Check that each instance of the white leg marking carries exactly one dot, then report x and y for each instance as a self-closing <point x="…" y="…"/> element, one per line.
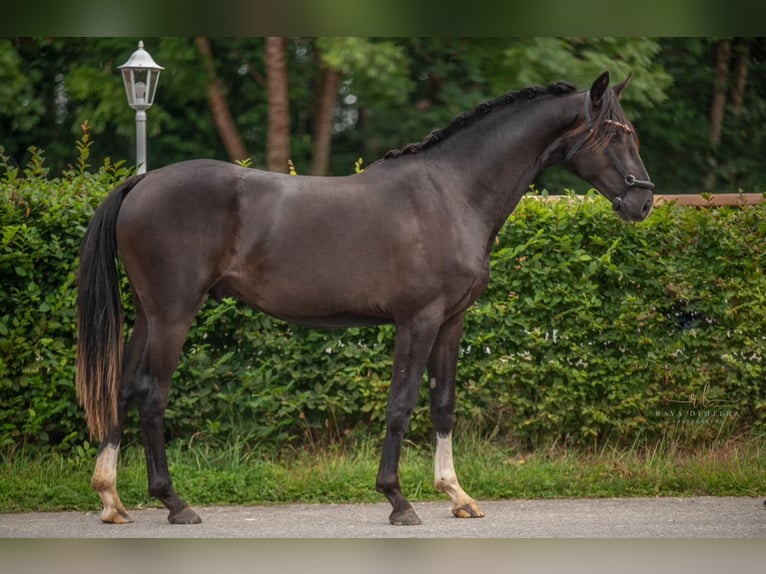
<point x="445" y="480"/>
<point x="105" y="483"/>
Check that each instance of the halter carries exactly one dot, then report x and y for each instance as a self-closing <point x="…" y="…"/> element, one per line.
<point x="630" y="180"/>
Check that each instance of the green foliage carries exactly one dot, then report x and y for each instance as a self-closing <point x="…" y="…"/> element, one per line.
<point x="378" y="68"/>
<point x="546" y="59"/>
<point x="234" y="472"/>
<point x="42" y="221"/>
<point x="21" y="107"/>
<point x="392" y="91"/>
<point x="592" y="331"/>
<point x="675" y="136"/>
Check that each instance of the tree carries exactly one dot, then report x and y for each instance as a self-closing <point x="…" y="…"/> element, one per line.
<point x="718" y="105"/>
<point x="678" y="137"/>
<point x="341" y="98"/>
<point x="447" y="76"/>
<point x="323" y="120"/>
<point x="727" y="93"/>
<point x="41" y="81"/>
<point x="224" y="123"/>
<point x="278" y="144"/>
<point x="353" y="68"/>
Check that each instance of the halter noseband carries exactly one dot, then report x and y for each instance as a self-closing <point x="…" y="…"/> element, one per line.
<point x="630" y="180"/>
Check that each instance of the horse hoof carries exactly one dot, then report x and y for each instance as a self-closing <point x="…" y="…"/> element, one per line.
<point x="184" y="516"/>
<point x="470" y="510"/>
<point x="116" y="517"/>
<point x="406" y="517"/>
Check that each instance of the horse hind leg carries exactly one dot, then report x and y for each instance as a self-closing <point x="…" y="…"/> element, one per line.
<point x="105" y="483"/>
<point x="442" y="368"/>
<point x="165" y="342"/>
<point x="104" y="480"/>
<point x="150" y="360"/>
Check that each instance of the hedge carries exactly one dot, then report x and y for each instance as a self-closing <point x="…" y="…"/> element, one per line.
<point x="592" y="331"/>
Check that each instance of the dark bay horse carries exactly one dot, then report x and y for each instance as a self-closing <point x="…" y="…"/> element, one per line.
<point x="406" y="242"/>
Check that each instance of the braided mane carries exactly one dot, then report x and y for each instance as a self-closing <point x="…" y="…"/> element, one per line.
<point x="469" y="118"/>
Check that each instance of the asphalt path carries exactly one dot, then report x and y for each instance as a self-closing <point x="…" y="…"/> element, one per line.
<point x="699" y="517"/>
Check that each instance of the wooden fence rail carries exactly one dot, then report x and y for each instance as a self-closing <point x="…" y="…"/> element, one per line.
<point x="713" y="200"/>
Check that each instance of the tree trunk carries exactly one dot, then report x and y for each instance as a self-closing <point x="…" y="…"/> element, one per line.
<point x="741" y="69"/>
<point x="323" y="121"/>
<point x="224" y="123"/>
<point x="718" y="106"/>
<point x="278" y="141"/>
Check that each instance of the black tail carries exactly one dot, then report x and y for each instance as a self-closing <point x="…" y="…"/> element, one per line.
<point x="100" y="316"/>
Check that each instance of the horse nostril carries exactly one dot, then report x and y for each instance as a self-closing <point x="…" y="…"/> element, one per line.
<point x="646" y="208"/>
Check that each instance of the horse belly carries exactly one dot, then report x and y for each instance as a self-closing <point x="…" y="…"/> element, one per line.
<point x="331" y="281"/>
<point x="313" y="297"/>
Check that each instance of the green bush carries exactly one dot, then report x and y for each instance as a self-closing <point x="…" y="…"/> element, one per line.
<point x="592" y="330"/>
<point x="42" y="221"/>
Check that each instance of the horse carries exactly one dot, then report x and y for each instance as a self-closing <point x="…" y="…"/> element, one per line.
<point x="406" y="241"/>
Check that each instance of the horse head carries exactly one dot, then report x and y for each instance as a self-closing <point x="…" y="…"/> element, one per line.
<point x="604" y="151"/>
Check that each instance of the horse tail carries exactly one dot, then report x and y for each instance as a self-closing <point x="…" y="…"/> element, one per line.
<point x="100" y="315"/>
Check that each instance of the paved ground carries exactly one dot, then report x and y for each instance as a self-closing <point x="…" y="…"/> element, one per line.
<point x="702" y="517"/>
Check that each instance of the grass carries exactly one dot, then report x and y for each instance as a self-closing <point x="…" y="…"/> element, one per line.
<point x="236" y="473"/>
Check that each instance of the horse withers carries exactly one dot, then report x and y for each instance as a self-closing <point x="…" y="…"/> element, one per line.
<point x="407" y="241"/>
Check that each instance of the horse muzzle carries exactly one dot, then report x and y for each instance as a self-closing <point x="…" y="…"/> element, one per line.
<point x="619" y="202"/>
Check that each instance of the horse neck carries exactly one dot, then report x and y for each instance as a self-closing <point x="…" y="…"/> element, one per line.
<point x="499" y="157"/>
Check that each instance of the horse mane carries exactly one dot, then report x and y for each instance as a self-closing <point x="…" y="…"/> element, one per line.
<point x="468" y="118"/>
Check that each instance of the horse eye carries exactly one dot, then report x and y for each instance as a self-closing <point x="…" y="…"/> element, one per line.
<point x="619" y="137"/>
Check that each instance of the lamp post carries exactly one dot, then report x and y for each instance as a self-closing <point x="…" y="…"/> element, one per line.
<point x="140" y="75"/>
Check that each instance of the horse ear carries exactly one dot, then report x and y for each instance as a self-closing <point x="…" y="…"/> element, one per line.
<point x="599" y="87"/>
<point x="622" y="85"/>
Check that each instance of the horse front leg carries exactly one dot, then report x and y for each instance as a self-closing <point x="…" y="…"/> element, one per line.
<point x="442" y="369"/>
<point x="413" y="344"/>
